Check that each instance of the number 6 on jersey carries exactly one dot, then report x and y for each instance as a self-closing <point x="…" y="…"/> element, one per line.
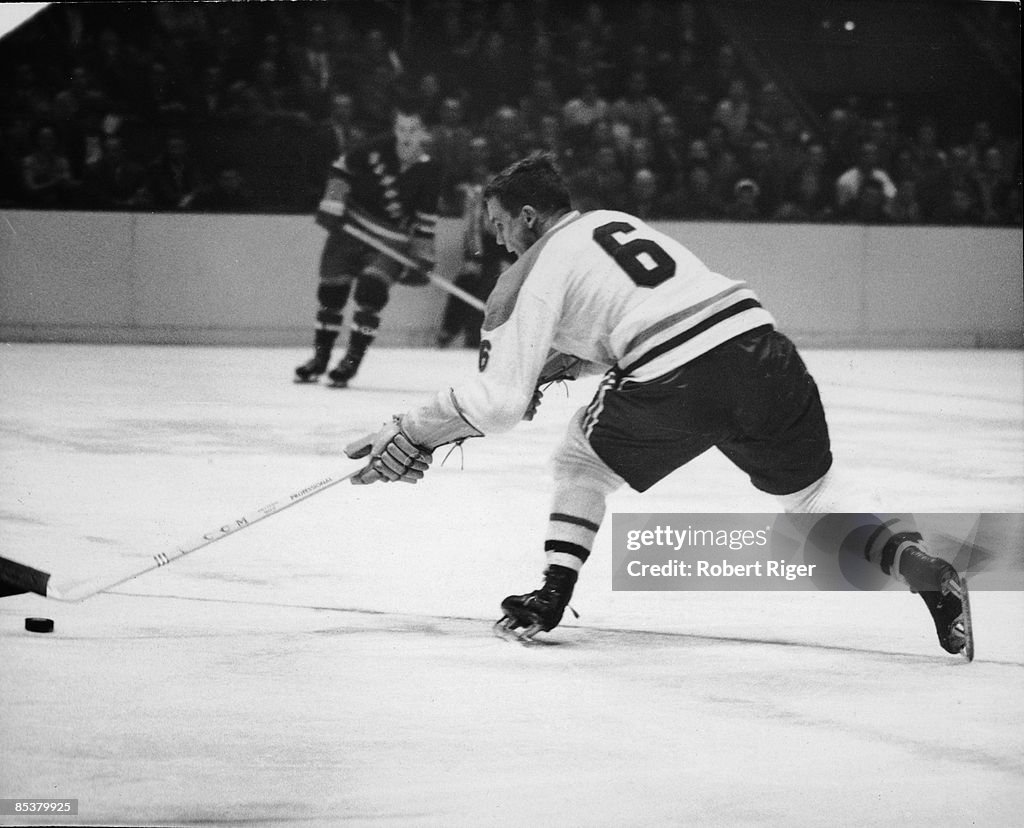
<point x="643" y="260"/>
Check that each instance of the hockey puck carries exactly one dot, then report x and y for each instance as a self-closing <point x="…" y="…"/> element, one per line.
<point x="40" y="625"/>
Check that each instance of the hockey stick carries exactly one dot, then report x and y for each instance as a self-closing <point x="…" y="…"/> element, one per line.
<point x="29" y="579"/>
<point x="402" y="259"/>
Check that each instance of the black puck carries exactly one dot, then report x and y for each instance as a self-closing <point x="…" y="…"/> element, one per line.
<point x="40" y="625"/>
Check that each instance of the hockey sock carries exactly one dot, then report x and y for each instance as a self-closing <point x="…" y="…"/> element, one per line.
<point x="565" y="554"/>
<point x="885" y="547"/>
<point x="323" y="340"/>
<point x="571" y="532"/>
<point x="868" y="549"/>
<point x="364" y="331"/>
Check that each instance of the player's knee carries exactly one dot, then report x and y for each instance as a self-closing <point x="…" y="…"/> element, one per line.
<point x="330" y="318"/>
<point x="366" y="320"/>
<point x="832" y="492"/>
<point x="372" y="292"/>
<point x="576" y="462"/>
<point x="333" y="294"/>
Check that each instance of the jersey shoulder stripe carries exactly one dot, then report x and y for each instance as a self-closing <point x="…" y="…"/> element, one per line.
<point x="690" y="333"/>
<point x="674" y="320"/>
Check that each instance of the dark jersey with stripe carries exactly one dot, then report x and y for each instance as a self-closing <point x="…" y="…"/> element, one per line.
<point x="384" y="196"/>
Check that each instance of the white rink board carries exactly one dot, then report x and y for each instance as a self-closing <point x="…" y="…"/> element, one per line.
<point x="334" y="664"/>
<point x="188" y="279"/>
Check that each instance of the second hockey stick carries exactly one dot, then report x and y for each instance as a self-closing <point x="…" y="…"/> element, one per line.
<point x="29" y="579"/>
<point x="402" y="259"/>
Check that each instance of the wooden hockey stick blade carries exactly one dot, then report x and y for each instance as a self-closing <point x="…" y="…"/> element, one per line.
<point x="402" y="259"/>
<point x="49" y="585"/>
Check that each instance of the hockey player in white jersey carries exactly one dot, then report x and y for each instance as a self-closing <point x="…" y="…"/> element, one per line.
<point x="691" y="361"/>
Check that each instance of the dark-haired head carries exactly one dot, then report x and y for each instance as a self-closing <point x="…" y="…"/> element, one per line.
<point x="525" y="200"/>
<point x="535" y="181"/>
<point x="410" y="132"/>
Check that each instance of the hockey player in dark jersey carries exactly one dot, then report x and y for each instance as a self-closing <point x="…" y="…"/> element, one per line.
<point x="387" y="188"/>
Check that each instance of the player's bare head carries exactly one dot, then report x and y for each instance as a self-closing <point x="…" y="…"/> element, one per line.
<point x="411" y="135"/>
<point x="533" y="181"/>
<point x="524" y="200"/>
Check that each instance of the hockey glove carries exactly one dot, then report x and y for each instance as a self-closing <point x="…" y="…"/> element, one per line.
<point x="531" y="409"/>
<point x="560" y="367"/>
<point x="328" y="215"/>
<point x="393" y="456"/>
<point x="331" y="209"/>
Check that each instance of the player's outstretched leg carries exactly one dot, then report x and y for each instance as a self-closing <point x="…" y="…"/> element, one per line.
<point x="540" y="610"/>
<point x="944" y="592"/>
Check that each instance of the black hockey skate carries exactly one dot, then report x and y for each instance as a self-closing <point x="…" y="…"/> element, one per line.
<point x="312" y="370"/>
<point x="538" y="611"/>
<point x="345" y="370"/>
<point x="945" y="594"/>
<point x="323" y="342"/>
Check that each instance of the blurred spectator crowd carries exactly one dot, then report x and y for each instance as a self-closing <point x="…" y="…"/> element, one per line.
<point x="240" y="107"/>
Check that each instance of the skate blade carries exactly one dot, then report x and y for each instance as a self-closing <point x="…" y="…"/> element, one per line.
<point x="963" y="625"/>
<point x="309" y="381"/>
<point x="503" y="628"/>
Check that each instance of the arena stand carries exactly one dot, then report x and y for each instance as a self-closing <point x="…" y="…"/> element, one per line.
<point x="736" y="110"/>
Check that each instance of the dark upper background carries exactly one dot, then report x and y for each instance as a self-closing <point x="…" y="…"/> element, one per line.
<point x="692" y="109"/>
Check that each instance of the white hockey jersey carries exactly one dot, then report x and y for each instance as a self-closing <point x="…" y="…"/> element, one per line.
<point x="604" y="287"/>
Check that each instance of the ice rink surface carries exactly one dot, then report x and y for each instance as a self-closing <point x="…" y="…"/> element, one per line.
<point x="334" y="664"/>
